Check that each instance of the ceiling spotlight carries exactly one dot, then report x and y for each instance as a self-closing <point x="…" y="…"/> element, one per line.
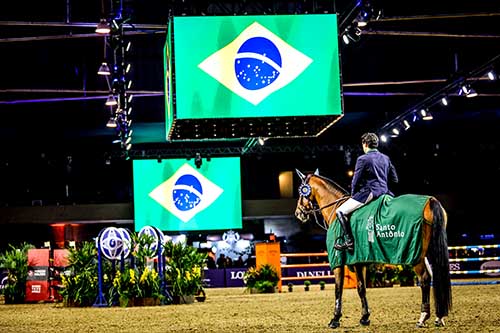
<point x="492" y="76"/>
<point x="444" y="101"/>
<point x="467" y="91"/>
<point x="426" y="115"/>
<point x="395" y="131"/>
<point x="111" y="123"/>
<point x="111" y="101"/>
<point x="262" y="141"/>
<point x="103" y="27"/>
<point x="104" y="69"/>
<point x="406" y="123"/>
<point x="383" y="138"/>
<point x="345" y="39"/>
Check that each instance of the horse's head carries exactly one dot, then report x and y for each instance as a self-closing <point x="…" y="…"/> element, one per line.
<point x="305" y="204"/>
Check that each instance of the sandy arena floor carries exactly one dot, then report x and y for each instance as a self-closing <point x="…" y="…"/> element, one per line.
<point x="476" y="309"/>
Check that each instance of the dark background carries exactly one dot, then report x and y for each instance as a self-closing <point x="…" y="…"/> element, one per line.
<point x="56" y="149"/>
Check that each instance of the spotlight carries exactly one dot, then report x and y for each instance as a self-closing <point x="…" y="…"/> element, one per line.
<point x="111" y="101"/>
<point x="197" y="160"/>
<point x="111" y="123"/>
<point x="467" y="91"/>
<point x="492" y="76"/>
<point x="345" y="39"/>
<point x="444" y="101"/>
<point x="426" y="115"/>
<point x="406" y="123"/>
<point x="104" y="69"/>
<point x="102" y="27"/>
<point x="395" y="130"/>
<point x="383" y="138"/>
<point x="262" y="141"/>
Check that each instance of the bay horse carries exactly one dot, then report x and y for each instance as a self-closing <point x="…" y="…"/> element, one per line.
<point x="318" y="194"/>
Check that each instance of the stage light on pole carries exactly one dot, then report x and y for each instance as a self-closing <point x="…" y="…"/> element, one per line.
<point x="111" y="122"/>
<point x="102" y="27"/>
<point x="104" y="69"/>
<point x="111" y="101"/>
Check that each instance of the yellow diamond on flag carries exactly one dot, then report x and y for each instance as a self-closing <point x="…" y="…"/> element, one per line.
<point x="256" y="64"/>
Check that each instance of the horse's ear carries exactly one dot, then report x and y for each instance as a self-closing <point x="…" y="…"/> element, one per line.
<point x="301" y="175"/>
<point x="316" y="172"/>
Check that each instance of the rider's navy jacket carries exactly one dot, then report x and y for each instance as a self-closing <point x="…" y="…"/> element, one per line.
<point x="372" y="172"/>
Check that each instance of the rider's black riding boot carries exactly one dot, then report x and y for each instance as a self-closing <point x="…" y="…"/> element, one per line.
<point x="346" y="226"/>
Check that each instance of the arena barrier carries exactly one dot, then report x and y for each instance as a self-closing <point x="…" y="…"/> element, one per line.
<point x="493" y="261"/>
<point x="321" y="274"/>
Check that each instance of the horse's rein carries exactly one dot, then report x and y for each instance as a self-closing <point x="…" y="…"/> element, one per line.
<point x="324" y="226"/>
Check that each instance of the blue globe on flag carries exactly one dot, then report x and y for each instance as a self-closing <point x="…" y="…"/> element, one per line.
<point x="258" y="63"/>
<point x="187" y="192"/>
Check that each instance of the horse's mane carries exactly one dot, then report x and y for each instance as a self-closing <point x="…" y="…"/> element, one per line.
<point x="334" y="186"/>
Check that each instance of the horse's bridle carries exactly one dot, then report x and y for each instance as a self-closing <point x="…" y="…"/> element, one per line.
<point x="305" y="192"/>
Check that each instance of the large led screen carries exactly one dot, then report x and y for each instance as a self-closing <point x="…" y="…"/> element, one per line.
<point x="176" y="195"/>
<point x="256" y="66"/>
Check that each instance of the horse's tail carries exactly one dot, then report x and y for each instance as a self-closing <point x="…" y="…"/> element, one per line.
<point x="438" y="256"/>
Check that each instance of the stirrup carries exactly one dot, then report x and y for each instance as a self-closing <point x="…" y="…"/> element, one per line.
<point x="347" y="245"/>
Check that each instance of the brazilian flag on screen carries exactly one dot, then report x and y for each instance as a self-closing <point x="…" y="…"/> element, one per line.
<point x="256" y="66"/>
<point x="175" y="195"/>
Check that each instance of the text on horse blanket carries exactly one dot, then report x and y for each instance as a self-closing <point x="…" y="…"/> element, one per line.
<point x="387" y="230"/>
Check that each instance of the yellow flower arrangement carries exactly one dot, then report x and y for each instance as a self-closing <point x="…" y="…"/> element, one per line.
<point x="149" y="283"/>
<point x="126" y="285"/>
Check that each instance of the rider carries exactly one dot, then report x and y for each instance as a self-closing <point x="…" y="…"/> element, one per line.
<point x="372" y="172"/>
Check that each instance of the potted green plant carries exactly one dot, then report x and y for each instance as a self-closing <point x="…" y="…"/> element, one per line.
<point x="15" y="261"/>
<point x="183" y="274"/>
<point x="79" y="282"/>
<point x="406" y="275"/>
<point x="322" y="285"/>
<point x="261" y="280"/>
<point x="307" y="283"/>
<point x="149" y="288"/>
<point x="126" y="285"/>
<point x="290" y="287"/>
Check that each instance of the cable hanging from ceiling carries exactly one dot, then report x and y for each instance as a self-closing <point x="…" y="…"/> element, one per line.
<point x="119" y="100"/>
<point x="460" y="86"/>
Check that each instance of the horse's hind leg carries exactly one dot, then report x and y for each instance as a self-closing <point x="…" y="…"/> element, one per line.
<point x="425" y="286"/>
<point x="339" y="287"/>
<point x="365" y="311"/>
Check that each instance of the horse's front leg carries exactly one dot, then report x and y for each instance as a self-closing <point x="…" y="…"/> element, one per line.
<point x="425" y="286"/>
<point x="339" y="287"/>
<point x="365" y="311"/>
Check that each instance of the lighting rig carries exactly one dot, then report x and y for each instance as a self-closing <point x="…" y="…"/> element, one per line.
<point x="119" y="100"/>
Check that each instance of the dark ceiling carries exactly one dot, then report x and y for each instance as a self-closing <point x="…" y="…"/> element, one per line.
<point x="52" y="100"/>
<point x="50" y="92"/>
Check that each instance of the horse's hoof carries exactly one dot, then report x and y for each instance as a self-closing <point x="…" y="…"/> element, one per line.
<point x="334" y="323"/>
<point x="364" y="322"/>
<point x="365" y="319"/>
<point x="439" y="322"/>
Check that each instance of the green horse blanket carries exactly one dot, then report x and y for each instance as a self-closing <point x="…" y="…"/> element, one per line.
<point x="387" y="230"/>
